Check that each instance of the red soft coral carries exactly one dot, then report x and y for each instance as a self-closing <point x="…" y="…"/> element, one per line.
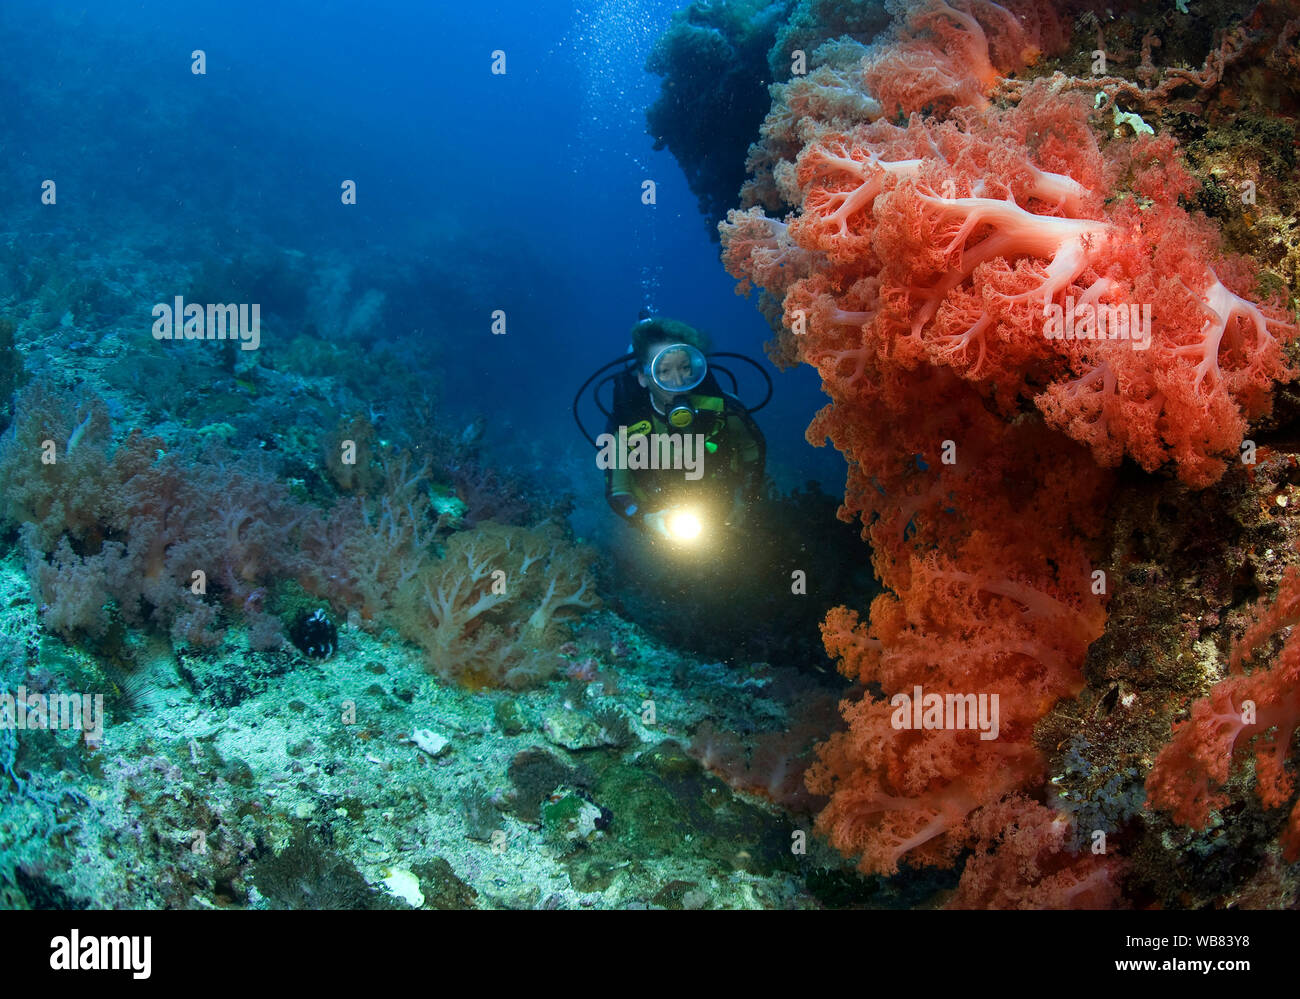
<point x="930" y="270"/>
<point x="985" y="245"/>
<point x="1259" y="712"/>
<point x="942" y="56"/>
<point x="894" y="792"/>
<point x="1023" y="861"/>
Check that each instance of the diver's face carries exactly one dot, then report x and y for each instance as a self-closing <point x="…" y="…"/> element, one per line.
<point x="673" y="369"/>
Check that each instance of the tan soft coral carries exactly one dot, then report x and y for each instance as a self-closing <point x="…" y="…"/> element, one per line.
<point x="485" y="611"/>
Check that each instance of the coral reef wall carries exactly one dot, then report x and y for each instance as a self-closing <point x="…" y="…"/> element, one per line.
<point x="984" y="233"/>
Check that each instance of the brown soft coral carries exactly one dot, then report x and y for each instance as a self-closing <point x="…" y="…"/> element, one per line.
<point x="166" y="541"/>
<point x="180" y="544"/>
<point x="369" y="550"/>
<point x="55" y="463"/>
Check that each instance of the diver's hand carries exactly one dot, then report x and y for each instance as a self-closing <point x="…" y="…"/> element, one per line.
<point x="657" y="524"/>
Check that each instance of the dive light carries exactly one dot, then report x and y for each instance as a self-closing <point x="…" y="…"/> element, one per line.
<point x="684" y="526"/>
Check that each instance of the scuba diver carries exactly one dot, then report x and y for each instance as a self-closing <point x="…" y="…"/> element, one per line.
<point x="684" y="462"/>
<point x="680" y="455"/>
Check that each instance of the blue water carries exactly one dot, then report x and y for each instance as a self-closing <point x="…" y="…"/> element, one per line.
<point x="475" y="191"/>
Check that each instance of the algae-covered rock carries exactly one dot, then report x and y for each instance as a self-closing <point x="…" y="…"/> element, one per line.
<point x="647" y="820"/>
<point x="509" y="716"/>
<point x="571" y="819"/>
<point x="575" y="730"/>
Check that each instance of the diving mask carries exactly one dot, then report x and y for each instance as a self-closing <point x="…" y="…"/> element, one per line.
<point x="676" y="369"/>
